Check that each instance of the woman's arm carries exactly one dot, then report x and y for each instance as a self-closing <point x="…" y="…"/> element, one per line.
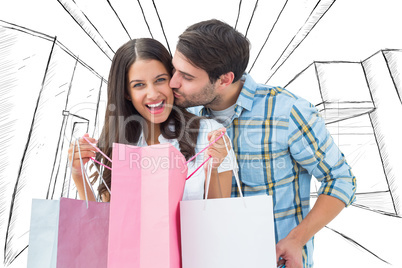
<point x="87" y="151"/>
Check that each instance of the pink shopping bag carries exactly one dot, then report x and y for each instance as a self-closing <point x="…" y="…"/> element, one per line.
<point x="147" y="186"/>
<point x="68" y="232"/>
<point x="82" y="230"/>
<point x="83" y="234"/>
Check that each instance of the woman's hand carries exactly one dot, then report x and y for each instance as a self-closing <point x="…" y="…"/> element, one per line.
<point x="87" y="151"/>
<point x="217" y="150"/>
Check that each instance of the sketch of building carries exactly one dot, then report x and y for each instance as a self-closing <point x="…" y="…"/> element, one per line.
<point x="345" y="57"/>
<point x="356" y="100"/>
<point x="63" y="99"/>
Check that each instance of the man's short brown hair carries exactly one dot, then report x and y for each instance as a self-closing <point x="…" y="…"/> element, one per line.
<point x="215" y="47"/>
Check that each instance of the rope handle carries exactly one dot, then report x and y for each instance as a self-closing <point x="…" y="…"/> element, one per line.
<point x="220" y="136"/>
<point x="85" y="177"/>
<point x="98" y="150"/>
<point x="102" y="153"/>
<point x="235" y="172"/>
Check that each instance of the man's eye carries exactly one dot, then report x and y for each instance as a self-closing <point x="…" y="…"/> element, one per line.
<point x="185" y="77"/>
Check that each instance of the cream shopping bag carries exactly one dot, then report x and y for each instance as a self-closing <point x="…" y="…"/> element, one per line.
<point x="228" y="232"/>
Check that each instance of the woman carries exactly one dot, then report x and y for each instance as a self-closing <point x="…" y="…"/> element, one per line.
<point x="141" y="112"/>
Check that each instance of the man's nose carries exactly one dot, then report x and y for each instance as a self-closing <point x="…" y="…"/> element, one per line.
<point x="174" y="81"/>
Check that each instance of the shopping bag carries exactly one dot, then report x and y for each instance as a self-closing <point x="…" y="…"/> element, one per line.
<point x="83" y="229"/>
<point x="147" y="186"/>
<point x="68" y="233"/>
<point x="82" y="234"/>
<point x="43" y="232"/>
<point x="228" y="232"/>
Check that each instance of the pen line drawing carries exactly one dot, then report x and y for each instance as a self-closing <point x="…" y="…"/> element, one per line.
<point x="345" y="58"/>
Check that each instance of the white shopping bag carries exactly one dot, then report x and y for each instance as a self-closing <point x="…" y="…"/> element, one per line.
<point x="228" y="232"/>
<point x="43" y="234"/>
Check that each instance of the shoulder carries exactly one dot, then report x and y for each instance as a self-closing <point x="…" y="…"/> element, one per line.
<point x="263" y="90"/>
<point x="304" y="107"/>
<point x="277" y="93"/>
<point x="273" y="96"/>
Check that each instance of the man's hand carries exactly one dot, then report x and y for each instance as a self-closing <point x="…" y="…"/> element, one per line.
<point x="290" y="248"/>
<point x="290" y="251"/>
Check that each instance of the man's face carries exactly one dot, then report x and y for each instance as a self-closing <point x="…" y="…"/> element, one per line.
<point x="191" y="85"/>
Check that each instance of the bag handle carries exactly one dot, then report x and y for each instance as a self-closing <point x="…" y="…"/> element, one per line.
<point x="235" y="172"/>
<point x="97" y="170"/>
<point x="71" y="170"/>
<point x="99" y="151"/>
<point x="102" y="153"/>
<point x="220" y="136"/>
<point x="100" y="163"/>
<point x="85" y="177"/>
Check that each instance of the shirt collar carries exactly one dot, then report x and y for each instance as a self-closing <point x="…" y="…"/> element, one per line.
<point x="246" y="97"/>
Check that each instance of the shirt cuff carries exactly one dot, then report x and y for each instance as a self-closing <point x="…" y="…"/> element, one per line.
<point x="342" y="188"/>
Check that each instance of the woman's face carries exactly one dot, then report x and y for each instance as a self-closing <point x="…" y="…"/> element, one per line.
<point x="149" y="91"/>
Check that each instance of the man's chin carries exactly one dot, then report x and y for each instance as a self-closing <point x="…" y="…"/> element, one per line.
<point x="180" y="104"/>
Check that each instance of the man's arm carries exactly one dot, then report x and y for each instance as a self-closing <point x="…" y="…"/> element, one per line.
<point x="220" y="183"/>
<point x="311" y="145"/>
<point x="325" y="210"/>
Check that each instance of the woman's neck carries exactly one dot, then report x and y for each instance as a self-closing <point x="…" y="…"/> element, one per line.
<point x="152" y="133"/>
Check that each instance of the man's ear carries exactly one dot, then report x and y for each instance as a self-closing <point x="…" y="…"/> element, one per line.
<point x="226" y="79"/>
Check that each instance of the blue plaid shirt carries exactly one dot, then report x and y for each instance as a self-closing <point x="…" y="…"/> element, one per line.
<point x="280" y="141"/>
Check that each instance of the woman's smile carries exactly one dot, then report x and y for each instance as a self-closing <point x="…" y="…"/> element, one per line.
<point x="149" y="90"/>
<point x="156" y="107"/>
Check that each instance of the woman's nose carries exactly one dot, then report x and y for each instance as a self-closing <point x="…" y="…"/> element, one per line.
<point x="152" y="93"/>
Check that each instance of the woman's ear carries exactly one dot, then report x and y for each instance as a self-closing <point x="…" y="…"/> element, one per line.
<point x="127" y="97"/>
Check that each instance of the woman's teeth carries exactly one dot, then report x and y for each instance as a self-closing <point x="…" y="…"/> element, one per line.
<point x="155" y="105"/>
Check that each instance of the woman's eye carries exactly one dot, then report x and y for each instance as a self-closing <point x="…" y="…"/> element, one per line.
<point x="138" y="85"/>
<point x="160" y="80"/>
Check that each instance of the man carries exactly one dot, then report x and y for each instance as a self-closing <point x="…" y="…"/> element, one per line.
<point x="280" y="140"/>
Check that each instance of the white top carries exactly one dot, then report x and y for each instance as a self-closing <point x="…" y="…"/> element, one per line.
<point x="194" y="188"/>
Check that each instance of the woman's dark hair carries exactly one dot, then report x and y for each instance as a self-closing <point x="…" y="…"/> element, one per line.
<point x="123" y="123"/>
<point x="215" y="47"/>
